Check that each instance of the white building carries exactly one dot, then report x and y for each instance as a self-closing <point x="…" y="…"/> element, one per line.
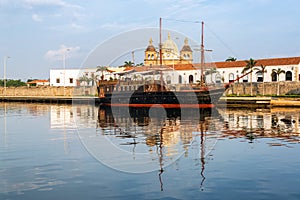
<point x="219" y="72"/>
<point x="77" y="77"/>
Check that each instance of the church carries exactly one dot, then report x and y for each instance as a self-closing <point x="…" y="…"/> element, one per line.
<point x="170" y="53"/>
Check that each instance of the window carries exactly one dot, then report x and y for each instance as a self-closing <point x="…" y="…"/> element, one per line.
<point x="180" y="79"/>
<point x="191" y="79"/>
<point x="259" y="76"/>
<point x="274" y="76"/>
<point x="218" y="78"/>
<point x="57" y="80"/>
<point x="231" y="77"/>
<point x="71" y="80"/>
<point x="288" y="76"/>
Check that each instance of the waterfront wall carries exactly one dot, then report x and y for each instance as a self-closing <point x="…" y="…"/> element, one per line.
<point x="48" y="91"/>
<point x="257" y="88"/>
<point x="236" y="88"/>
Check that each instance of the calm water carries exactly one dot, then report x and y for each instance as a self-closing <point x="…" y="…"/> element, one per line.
<point x="86" y="152"/>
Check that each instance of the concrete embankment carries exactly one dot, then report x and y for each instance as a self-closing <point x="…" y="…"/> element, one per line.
<point x="51" y="99"/>
<point x="244" y="102"/>
<point x="258" y="102"/>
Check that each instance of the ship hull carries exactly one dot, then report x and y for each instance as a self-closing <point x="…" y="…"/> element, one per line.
<point x="167" y="99"/>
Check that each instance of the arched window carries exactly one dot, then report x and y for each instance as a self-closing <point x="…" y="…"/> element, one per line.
<point x="148" y="56"/>
<point x="259" y="76"/>
<point x="152" y="56"/>
<point x="218" y="78"/>
<point x="274" y="76"/>
<point x="288" y="76"/>
<point x="191" y="78"/>
<point x="179" y="79"/>
<point x="231" y="77"/>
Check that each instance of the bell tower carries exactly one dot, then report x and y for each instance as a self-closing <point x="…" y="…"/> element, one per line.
<point x="186" y="53"/>
<point x="150" y="54"/>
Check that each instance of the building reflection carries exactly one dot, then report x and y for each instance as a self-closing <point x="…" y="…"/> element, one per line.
<point x="71" y="117"/>
<point x="280" y="123"/>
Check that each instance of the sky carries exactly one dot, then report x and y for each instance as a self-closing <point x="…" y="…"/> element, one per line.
<point x="39" y="35"/>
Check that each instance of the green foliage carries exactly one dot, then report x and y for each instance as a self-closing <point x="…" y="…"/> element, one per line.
<point x="12" y="83"/>
<point x="230" y="59"/>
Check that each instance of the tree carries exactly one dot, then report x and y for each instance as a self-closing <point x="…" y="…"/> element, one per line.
<point x="85" y="79"/>
<point x="101" y="69"/>
<point x="94" y="78"/>
<point x="278" y="72"/>
<point x="128" y="64"/>
<point x="249" y="66"/>
<point x="230" y="59"/>
<point x="263" y="70"/>
<point x="210" y="72"/>
<point x="140" y="64"/>
<point x="12" y="83"/>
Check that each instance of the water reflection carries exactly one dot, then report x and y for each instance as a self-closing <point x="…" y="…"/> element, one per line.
<point x="165" y="132"/>
<point x="277" y="123"/>
<point x="41" y="152"/>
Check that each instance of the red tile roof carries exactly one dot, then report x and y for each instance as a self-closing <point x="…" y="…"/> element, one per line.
<point x="239" y="63"/>
<point x="37" y="81"/>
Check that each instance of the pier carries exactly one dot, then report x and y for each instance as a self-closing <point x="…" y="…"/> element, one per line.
<point x="50" y="99"/>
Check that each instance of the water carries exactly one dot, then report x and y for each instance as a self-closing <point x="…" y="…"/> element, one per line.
<point x="83" y="152"/>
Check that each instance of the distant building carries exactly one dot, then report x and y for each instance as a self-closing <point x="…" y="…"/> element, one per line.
<point x="80" y="77"/>
<point x="38" y="83"/>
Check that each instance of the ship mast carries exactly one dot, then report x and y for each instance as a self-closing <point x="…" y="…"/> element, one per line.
<point x="160" y="53"/>
<point x="202" y="54"/>
<point x="160" y="42"/>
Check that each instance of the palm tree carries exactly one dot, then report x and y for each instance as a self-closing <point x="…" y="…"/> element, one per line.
<point x="210" y="72"/>
<point x="94" y="78"/>
<point x="101" y="69"/>
<point x="250" y="64"/>
<point x="263" y="70"/>
<point x="128" y="64"/>
<point x="230" y="59"/>
<point x="278" y="72"/>
<point x="85" y="79"/>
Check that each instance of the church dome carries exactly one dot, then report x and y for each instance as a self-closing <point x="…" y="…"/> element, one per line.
<point x="170" y="45"/>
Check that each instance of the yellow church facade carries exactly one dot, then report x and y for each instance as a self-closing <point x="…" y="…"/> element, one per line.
<point x="170" y="53"/>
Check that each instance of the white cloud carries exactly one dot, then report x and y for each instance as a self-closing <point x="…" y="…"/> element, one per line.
<point x="62" y="51"/>
<point x="60" y="3"/>
<point x="36" y="18"/>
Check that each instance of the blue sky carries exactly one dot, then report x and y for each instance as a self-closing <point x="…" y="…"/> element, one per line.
<point x="35" y="32"/>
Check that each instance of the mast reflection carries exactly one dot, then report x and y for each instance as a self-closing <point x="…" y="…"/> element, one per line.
<point x="163" y="128"/>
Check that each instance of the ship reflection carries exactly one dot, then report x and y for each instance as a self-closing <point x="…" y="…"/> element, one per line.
<point x="167" y="130"/>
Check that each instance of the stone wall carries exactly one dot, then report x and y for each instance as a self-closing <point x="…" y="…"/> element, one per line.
<point x="235" y="88"/>
<point x="257" y="88"/>
<point x="47" y="91"/>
